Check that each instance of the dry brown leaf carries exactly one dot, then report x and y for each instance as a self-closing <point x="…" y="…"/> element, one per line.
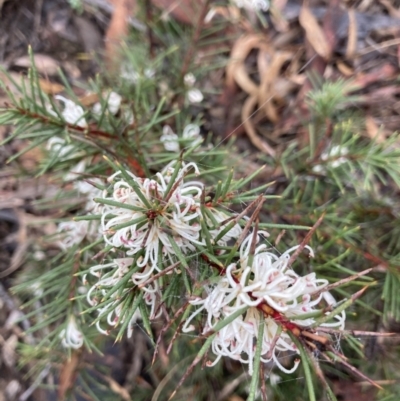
<point x="118" y="389"/>
<point x="45" y="65"/>
<point x="9" y="350"/>
<point x="278" y="20"/>
<point x="1" y="4"/>
<point x="23" y="243"/>
<point x="68" y="374"/>
<point x="345" y="69"/>
<point x="269" y="74"/>
<point x="374" y="132"/>
<point x="89" y="99"/>
<point x="185" y="11"/>
<point x="50" y="88"/>
<point x="391" y="9"/>
<point x="236" y="70"/>
<point x="269" y="66"/>
<point x="247" y="110"/>
<point x="92" y="38"/>
<point x="352" y="39"/>
<point x="118" y="30"/>
<point x="314" y="33"/>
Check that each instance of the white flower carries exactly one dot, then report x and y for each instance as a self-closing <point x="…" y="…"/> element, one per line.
<point x="189" y="79"/>
<point x="91" y="192"/>
<point x="89" y="189"/>
<point x="74" y="232"/>
<point x="192" y="132"/>
<point x="195" y="96"/>
<point x="268" y="281"/>
<point x="57" y="145"/>
<point x="262" y="5"/>
<point x="71" y="336"/>
<point x="334" y="158"/>
<point x="221" y="217"/>
<point x="153" y="217"/>
<point x="169" y="139"/>
<point x="129" y="73"/>
<point x="149" y="72"/>
<point x="76" y="171"/>
<point x="113" y="104"/>
<point x="128" y="116"/>
<point x="72" y="113"/>
<point x="114" y="272"/>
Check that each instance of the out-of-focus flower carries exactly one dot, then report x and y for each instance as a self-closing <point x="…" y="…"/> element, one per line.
<point x="189" y="79"/>
<point x="76" y="171"/>
<point x="113" y="104"/>
<point x="74" y="232"/>
<point x="72" y="113"/>
<point x="129" y="73"/>
<point x="169" y="139"/>
<point x="192" y="132"/>
<point x="57" y="145"/>
<point x="335" y="157"/>
<point x="267" y="280"/>
<point x="71" y="336"/>
<point x="191" y="135"/>
<point x="193" y="95"/>
<point x="262" y="5"/>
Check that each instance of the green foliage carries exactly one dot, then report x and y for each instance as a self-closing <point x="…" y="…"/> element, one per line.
<point x="339" y="172"/>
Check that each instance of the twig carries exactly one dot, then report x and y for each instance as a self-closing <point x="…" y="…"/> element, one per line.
<point x="343" y="281"/>
<point x="158" y="275"/>
<point x="195" y="38"/>
<point x="305" y="241"/>
<point x="166" y="327"/>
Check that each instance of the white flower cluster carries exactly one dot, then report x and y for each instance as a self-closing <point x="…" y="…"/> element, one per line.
<point x="71" y="336"/>
<point x="335" y="157"/>
<point x="74" y="232"/>
<point x="113" y="104"/>
<point x="262" y="5"/>
<point x="114" y="272"/>
<point x="193" y="94"/>
<point x="190" y="136"/>
<point x="148" y="219"/>
<point x="270" y="281"/>
<point x="131" y="75"/>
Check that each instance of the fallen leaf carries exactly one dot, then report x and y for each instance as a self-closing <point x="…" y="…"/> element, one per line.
<point x="247" y="110"/>
<point x="345" y="69"/>
<point x="118" y="30"/>
<point x="185" y="11"/>
<point x="1" y="3"/>
<point x="373" y="131"/>
<point x="50" y="88"/>
<point x="44" y="64"/>
<point x="314" y="33"/>
<point x="352" y="39"/>
<point x="90" y="34"/>
<point x="68" y="374"/>
<point x="269" y="75"/>
<point x="89" y="99"/>
<point x="391" y="9"/>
